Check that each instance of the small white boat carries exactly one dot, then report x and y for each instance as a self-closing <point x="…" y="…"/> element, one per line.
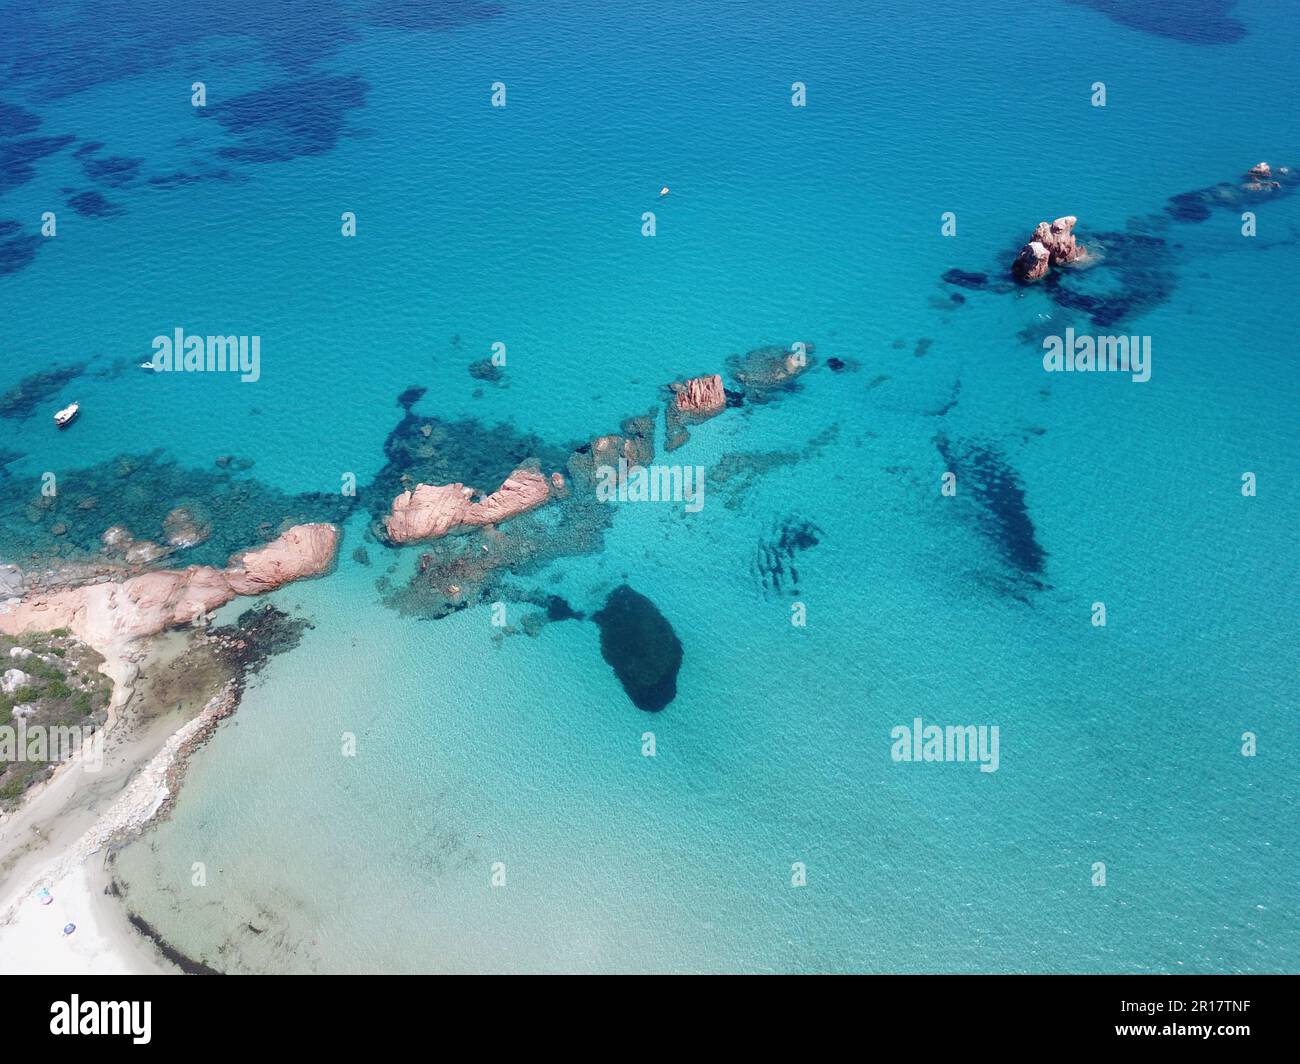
<point x="146" y="365"/>
<point x="65" y="417"/>
<point x="663" y="192"/>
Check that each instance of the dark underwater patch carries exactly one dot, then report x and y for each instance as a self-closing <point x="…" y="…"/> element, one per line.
<point x="1135" y="277"/>
<point x="289" y="119"/>
<point x="92" y="204"/>
<point x="115" y="171"/>
<point x="966" y="279"/>
<point x="1190" y="21"/>
<point x="17" y="249"/>
<point x="775" y="560"/>
<point x="18" y="158"/>
<point x="35" y="389"/>
<point x="1188" y="207"/>
<point x="946" y="407"/>
<point x="637" y="641"/>
<point x="181" y="178"/>
<point x="988" y="483"/>
<point x="260" y="633"/>
<point x="16" y="121"/>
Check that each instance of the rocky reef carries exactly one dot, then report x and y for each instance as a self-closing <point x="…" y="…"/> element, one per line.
<point x="640" y="645"/>
<point x="1134" y="266"/>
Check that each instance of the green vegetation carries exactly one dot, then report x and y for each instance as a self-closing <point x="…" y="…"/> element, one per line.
<point x="74" y="698"/>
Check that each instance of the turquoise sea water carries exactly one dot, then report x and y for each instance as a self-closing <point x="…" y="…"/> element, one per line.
<point x="819" y="224"/>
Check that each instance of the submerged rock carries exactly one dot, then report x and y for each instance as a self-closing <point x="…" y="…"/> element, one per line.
<point x="184" y="529"/>
<point x="767" y="371"/>
<point x="641" y="646"/>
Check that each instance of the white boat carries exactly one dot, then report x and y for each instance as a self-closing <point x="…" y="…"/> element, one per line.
<point x="663" y="191"/>
<point x="65" y="417"/>
<point x="146" y="365"/>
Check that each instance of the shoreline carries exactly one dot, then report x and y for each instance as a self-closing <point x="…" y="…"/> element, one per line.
<point x="39" y="847"/>
<point x="61" y="838"/>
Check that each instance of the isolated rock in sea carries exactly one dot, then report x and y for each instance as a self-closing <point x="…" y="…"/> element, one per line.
<point x="700" y="397"/>
<point x="1052" y="244"/>
<point x="1032" y="263"/>
<point x="430" y="510"/>
<point x="1261" y="178"/>
<point x="641" y="646"/>
<point x="694" y="401"/>
<point x="1060" y="241"/>
<point x="103" y="614"/>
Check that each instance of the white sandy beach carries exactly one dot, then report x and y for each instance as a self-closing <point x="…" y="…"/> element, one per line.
<point x="58" y="838"/>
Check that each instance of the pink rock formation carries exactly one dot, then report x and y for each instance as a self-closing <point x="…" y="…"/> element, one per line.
<point x="427" y="511"/>
<point x="1261" y="178"/>
<point x="104" y="614"/>
<point x="1052" y="244"/>
<point x="432" y="510"/>
<point x="1032" y="263"/>
<point x="304" y="550"/>
<point x="701" y="397"/>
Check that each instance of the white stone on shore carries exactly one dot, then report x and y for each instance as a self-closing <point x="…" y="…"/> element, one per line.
<point x="19" y="652"/>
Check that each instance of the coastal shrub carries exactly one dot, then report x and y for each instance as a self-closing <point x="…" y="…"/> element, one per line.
<point x="58" y="652"/>
<point x="57" y="689"/>
<point x="12" y="787"/>
<point x="25" y="694"/>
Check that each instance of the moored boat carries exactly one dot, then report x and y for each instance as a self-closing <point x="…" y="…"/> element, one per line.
<point x="65" y="417"/>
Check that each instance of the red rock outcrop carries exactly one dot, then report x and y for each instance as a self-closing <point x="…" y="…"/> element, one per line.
<point x="695" y="400"/>
<point x="144" y="605"/>
<point x="1261" y="178"/>
<point x="1032" y="263"/>
<point x="432" y="510"/>
<point x="700" y="397"/>
<point x="1057" y="241"/>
